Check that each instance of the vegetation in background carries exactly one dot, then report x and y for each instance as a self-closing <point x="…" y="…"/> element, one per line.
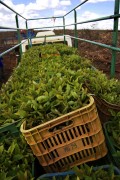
<point x="44" y="87"/>
<point x="101" y="86"/>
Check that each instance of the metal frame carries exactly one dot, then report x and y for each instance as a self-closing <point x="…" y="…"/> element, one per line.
<point x="113" y="47"/>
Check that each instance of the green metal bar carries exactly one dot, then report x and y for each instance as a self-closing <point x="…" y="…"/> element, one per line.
<point x="93" y="20"/>
<point x="64" y="28"/>
<point x="5" y="52"/>
<point x="101" y="19"/>
<point x="99" y="44"/>
<point x="11" y="9"/>
<point x="98" y="19"/>
<point x="44" y="39"/>
<point x="48" y="27"/>
<point x="3" y="27"/>
<point x="19" y="38"/>
<point x="75" y="29"/>
<point x="27" y="34"/>
<point x="45" y="18"/>
<point x="76" y="7"/>
<point x="115" y="37"/>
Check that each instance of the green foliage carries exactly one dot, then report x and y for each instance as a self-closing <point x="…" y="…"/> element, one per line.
<point x="101" y="86"/>
<point x="65" y="50"/>
<point x="44" y="87"/>
<point x="113" y="129"/>
<point x="47" y="86"/>
<point x="16" y="159"/>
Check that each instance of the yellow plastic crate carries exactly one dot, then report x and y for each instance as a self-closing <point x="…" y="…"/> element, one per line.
<point x="69" y="140"/>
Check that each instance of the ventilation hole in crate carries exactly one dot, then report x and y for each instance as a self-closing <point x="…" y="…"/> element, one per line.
<point x="83" y="153"/>
<point x="91" y="151"/>
<point x="76" y="156"/>
<point x="87" y="152"/>
<point x="71" y="134"/>
<point x="61" y="163"/>
<point x="75" y="133"/>
<point x="63" y="137"/>
<point x="83" y="142"/>
<point x="69" y="159"/>
<point x="56" y="153"/>
<point x="51" y="143"/>
<point x="52" y="155"/>
<point x="49" y="156"/>
<point x="67" y="136"/>
<point x="94" y="149"/>
<point x="87" y="128"/>
<point x="80" y="155"/>
<point x="55" y="141"/>
<point x="47" y="144"/>
<point x="57" y="164"/>
<point x="65" y="159"/>
<point x="79" y="130"/>
<point x="43" y="145"/>
<point x="91" y="139"/>
<point x="72" y="157"/>
<point x="83" y="128"/>
<point x="59" y="139"/>
<point x="87" y="140"/>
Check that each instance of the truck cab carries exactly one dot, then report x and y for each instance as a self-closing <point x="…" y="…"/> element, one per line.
<point x="46" y="37"/>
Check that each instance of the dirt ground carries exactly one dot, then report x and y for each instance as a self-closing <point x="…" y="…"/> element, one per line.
<point x="100" y="57"/>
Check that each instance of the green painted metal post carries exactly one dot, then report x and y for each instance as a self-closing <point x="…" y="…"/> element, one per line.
<point x="75" y="29"/>
<point x="19" y="38"/>
<point x="27" y="34"/>
<point x="64" y="27"/>
<point x="114" y="38"/>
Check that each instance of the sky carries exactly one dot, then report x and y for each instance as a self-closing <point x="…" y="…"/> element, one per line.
<point x="53" y="8"/>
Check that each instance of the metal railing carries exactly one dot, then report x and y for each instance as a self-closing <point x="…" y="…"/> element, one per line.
<point x="112" y="47"/>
